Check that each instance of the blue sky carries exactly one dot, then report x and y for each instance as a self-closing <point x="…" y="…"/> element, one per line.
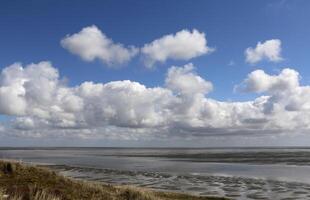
<point x="31" y="32"/>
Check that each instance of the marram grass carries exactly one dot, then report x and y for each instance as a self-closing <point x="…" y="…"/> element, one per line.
<point x="25" y="182"/>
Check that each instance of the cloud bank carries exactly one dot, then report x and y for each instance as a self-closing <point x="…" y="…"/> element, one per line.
<point x="91" y="44"/>
<point x="41" y="104"/>
<point x="269" y="50"/>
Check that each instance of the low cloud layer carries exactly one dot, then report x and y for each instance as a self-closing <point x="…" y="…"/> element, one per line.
<point x="269" y="50"/>
<point x="41" y="104"/>
<point x="91" y="44"/>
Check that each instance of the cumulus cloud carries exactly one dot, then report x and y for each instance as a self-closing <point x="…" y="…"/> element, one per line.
<point x="285" y="94"/>
<point x="185" y="81"/>
<point x="258" y="81"/>
<point x="183" y="45"/>
<point x="43" y="105"/>
<point x="91" y="44"/>
<point x="269" y="50"/>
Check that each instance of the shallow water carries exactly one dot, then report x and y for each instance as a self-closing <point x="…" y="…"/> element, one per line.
<point x="238" y="173"/>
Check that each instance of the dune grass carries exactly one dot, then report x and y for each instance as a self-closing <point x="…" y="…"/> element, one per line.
<point x="25" y="182"/>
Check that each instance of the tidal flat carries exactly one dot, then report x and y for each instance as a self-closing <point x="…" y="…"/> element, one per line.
<point x="237" y="173"/>
<point x="28" y="182"/>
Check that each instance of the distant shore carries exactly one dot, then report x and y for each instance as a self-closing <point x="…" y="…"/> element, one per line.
<point x="19" y="181"/>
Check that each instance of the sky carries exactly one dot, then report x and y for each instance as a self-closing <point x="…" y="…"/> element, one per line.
<point x="155" y="73"/>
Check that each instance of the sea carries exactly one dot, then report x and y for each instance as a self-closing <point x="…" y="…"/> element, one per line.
<point x="237" y="173"/>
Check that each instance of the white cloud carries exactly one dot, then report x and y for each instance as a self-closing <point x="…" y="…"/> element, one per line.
<point x="269" y="50"/>
<point x="185" y="81"/>
<point x="259" y="81"/>
<point x="90" y="44"/>
<point x="284" y="90"/>
<point x="126" y="110"/>
<point x="183" y="45"/>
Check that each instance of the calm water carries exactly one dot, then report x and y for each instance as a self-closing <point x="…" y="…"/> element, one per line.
<point x="246" y="173"/>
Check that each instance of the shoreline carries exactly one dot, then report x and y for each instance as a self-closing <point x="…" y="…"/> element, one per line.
<point x="20" y="180"/>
